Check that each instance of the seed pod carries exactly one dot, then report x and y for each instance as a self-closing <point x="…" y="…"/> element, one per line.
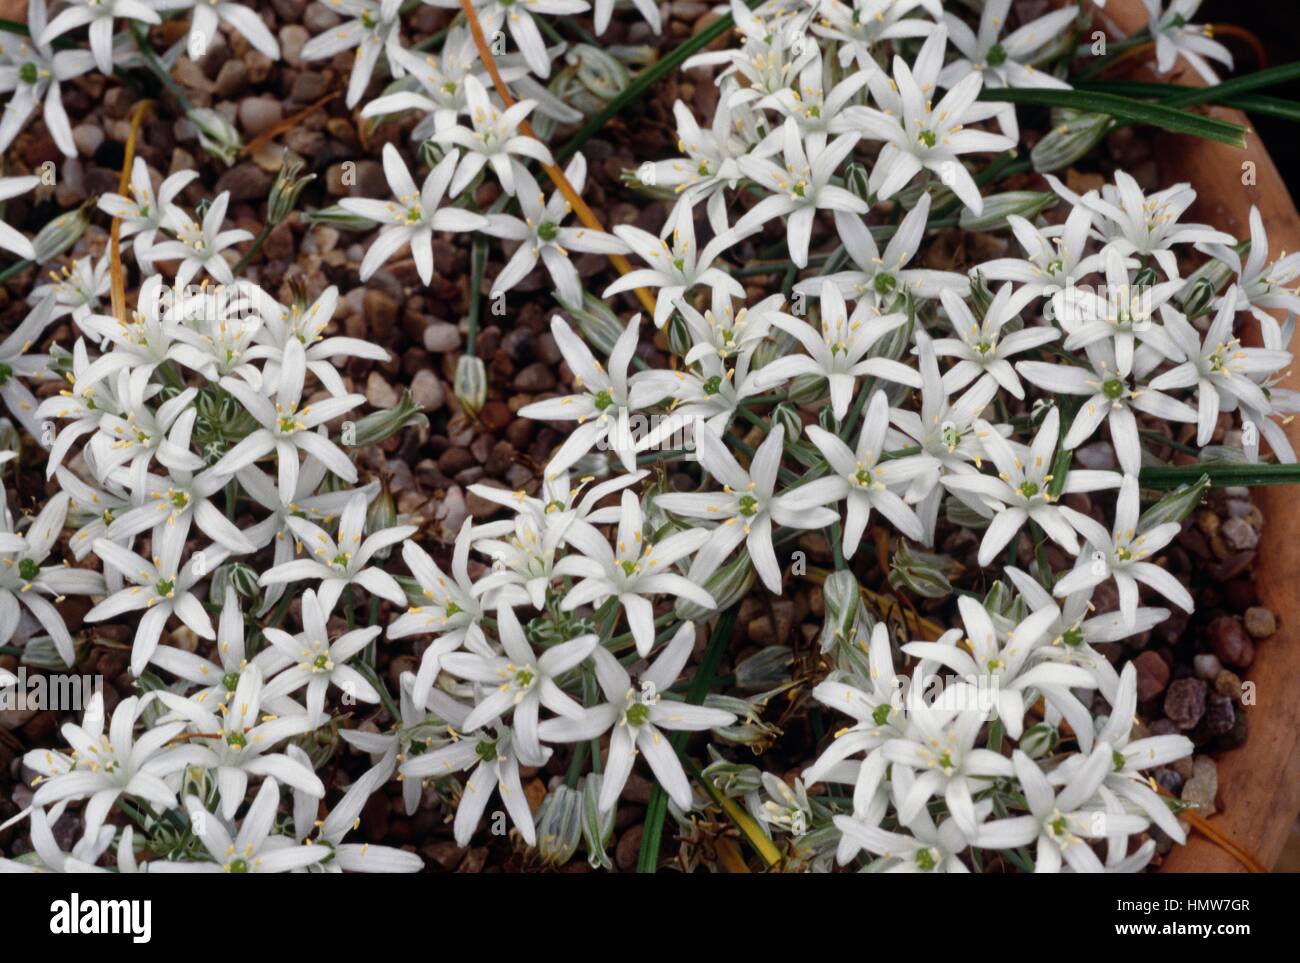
<point x="470" y="384"/>
<point x="1073" y="136"/>
<point x="559" y="825"/>
<point x="998" y="207"/>
<point x="216" y="135"/>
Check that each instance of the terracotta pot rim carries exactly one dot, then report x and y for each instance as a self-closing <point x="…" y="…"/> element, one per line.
<point x="1259" y="782"/>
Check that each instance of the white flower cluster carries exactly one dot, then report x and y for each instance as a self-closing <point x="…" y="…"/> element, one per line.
<point x="204" y="458"/>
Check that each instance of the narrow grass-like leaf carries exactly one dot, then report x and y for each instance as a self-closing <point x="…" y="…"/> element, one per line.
<point x="1260" y="104"/>
<point x="1125" y="108"/>
<point x="1221" y="476"/>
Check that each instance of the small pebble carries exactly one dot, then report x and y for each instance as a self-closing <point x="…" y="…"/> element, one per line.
<point x="441" y="336"/>
<point x="258" y="114"/>
<point x="379" y="392"/>
<point x="1239" y="534"/>
<point x="1228" y="683"/>
<point x="1168" y="779"/>
<point x="1260" y="622"/>
<point x="1152" y="675"/>
<point x="1185" y="702"/>
<point x="535" y="378"/>
<point x="1231" y="643"/>
<point x="427" y="390"/>
<point x="1218" y="718"/>
<point x="1207" y="666"/>
<point x="87" y="138"/>
<point x="1203" y="787"/>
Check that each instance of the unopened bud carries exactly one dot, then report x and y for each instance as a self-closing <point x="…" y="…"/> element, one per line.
<point x="470" y="384"/>
<point x="216" y="134"/>
<point x="285" y="190"/>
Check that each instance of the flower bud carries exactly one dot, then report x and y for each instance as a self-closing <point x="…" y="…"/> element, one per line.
<point x="1000" y="600"/>
<point x="470" y="385"/>
<point x="381" y="425"/>
<point x="842" y="600"/>
<point x="855" y="181"/>
<point x="1039" y="740"/>
<point x="777" y="344"/>
<point x="980" y="295"/>
<point x="336" y="216"/>
<point x="237" y="575"/>
<point x="808" y="388"/>
<point x="599" y="325"/>
<point x="216" y="134"/>
<point x="679" y="336"/>
<point x="765" y="669"/>
<point x="603" y="75"/>
<point x="786" y="415"/>
<point x="1175" y="506"/>
<point x="749" y="729"/>
<point x="39" y="652"/>
<point x="1203" y="285"/>
<point x="285" y="191"/>
<point x="431" y="153"/>
<point x="559" y="825"/>
<point x="998" y="207"/>
<point x="728" y="585"/>
<point x="1073" y="136"/>
<point x="733" y="779"/>
<point x="597" y="827"/>
<point x="61" y="233"/>
<point x="963" y="516"/>
<point x="920" y="573"/>
<point x="382" y="514"/>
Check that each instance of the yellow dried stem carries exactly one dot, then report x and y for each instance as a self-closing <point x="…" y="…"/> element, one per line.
<point x="585" y="213"/>
<point x="115" y="235"/>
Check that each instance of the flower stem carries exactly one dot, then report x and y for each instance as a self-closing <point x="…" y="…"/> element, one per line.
<point x="257" y="246"/>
